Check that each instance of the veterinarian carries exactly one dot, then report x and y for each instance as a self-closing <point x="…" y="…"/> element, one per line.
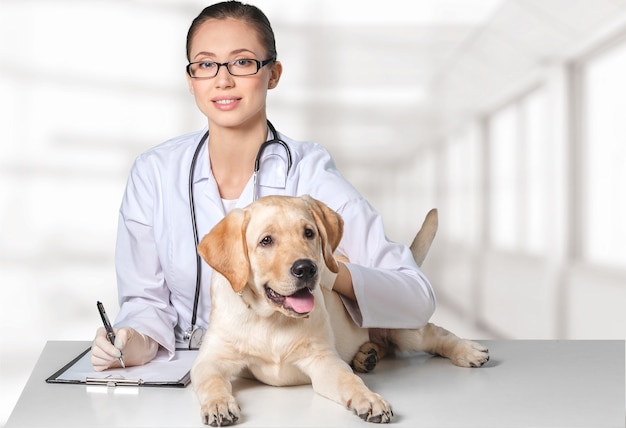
<point x="232" y="65"/>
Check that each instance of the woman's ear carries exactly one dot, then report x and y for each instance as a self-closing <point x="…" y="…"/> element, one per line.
<point x="277" y="71"/>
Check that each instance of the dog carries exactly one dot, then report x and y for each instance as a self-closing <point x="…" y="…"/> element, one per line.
<point x="274" y="316"/>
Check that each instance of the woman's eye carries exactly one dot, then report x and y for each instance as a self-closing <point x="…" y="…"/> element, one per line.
<point x="266" y="241"/>
<point x="309" y="233"/>
<point x="243" y="62"/>
<point x="206" y="65"/>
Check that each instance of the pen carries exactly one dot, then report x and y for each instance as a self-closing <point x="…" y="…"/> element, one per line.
<point x="109" y="329"/>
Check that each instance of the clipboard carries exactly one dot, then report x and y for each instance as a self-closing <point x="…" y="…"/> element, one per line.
<point x="160" y="372"/>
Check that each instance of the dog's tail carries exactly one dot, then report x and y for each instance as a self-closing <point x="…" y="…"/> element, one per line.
<point x="425" y="236"/>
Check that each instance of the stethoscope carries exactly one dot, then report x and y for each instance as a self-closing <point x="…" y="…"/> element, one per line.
<point x="194" y="334"/>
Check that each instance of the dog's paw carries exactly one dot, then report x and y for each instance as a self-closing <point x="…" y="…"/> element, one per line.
<point x="469" y="354"/>
<point x="366" y="358"/>
<point x="371" y="407"/>
<point x="220" y="412"/>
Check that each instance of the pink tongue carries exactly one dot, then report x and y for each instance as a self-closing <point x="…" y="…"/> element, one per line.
<point x="301" y="302"/>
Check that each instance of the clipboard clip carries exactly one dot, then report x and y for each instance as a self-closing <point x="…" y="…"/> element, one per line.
<point x="112" y="382"/>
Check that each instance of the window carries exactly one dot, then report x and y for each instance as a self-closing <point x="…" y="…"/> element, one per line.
<point x="462" y="186"/>
<point x="603" y="159"/>
<point x="519" y="155"/>
<point x="503" y="184"/>
<point x="535" y="178"/>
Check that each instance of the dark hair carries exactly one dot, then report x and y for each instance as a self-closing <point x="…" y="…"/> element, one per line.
<point x="237" y="10"/>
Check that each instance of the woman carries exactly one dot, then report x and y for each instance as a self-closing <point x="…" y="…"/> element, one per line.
<point x="232" y="64"/>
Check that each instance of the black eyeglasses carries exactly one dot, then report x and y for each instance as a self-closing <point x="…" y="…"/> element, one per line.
<point x="236" y="67"/>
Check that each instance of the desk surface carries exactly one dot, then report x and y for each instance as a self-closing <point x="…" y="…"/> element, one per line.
<point x="526" y="383"/>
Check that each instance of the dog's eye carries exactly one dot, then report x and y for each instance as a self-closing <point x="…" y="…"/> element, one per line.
<point x="266" y="241"/>
<point x="309" y="233"/>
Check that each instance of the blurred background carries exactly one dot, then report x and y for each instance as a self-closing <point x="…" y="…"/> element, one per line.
<point x="506" y="115"/>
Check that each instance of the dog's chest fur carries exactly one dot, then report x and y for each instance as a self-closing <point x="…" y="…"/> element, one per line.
<point x="280" y="344"/>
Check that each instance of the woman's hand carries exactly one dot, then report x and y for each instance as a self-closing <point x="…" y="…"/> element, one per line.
<point x="135" y="348"/>
<point x="341" y="282"/>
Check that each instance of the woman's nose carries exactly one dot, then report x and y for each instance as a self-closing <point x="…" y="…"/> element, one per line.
<point x="224" y="79"/>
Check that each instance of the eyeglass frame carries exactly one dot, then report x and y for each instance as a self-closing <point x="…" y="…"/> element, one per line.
<point x="259" y="66"/>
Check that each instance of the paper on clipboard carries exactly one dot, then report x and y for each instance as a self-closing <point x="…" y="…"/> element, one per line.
<point x="161" y="371"/>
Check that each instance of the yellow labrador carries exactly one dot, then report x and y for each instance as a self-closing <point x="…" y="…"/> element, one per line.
<point x="275" y="319"/>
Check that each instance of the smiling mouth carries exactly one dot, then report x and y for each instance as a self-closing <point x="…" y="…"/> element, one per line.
<point x="224" y="102"/>
<point x="301" y="302"/>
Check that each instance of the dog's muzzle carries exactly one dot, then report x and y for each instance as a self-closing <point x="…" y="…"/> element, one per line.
<point x="301" y="302"/>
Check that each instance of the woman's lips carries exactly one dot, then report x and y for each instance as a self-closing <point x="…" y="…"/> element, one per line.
<point x="226" y="104"/>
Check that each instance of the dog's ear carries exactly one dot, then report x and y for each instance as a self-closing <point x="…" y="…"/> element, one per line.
<point x="330" y="226"/>
<point x="224" y="249"/>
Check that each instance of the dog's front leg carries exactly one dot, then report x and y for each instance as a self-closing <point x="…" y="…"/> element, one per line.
<point x="333" y="378"/>
<point x="213" y="388"/>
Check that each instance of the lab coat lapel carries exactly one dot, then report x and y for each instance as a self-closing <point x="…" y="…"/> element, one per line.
<point x="247" y="194"/>
<point x="211" y="199"/>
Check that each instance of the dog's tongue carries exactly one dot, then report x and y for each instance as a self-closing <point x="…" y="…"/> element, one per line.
<point x="301" y="302"/>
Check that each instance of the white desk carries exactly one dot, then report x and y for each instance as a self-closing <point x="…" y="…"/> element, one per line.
<point x="526" y="383"/>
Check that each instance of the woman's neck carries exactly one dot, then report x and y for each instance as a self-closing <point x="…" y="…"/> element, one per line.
<point x="232" y="152"/>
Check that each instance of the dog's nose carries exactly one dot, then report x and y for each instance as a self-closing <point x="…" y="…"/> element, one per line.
<point x="304" y="269"/>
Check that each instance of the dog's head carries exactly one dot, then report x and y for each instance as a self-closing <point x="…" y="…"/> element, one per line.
<point x="274" y="250"/>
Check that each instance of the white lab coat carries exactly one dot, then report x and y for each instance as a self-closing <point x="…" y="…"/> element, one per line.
<point x="155" y="252"/>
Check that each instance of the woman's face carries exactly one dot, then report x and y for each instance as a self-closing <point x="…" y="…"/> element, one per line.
<point x="226" y="100"/>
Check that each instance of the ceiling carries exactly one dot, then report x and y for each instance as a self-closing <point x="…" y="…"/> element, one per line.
<point x="521" y="37"/>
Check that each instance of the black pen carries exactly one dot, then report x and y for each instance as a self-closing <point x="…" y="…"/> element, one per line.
<point x="109" y="329"/>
